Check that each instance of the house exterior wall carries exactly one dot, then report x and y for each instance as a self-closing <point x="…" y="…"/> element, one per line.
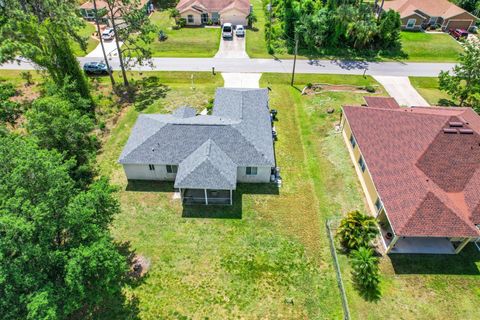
<point x="461" y="21"/>
<point x="365" y="178"/>
<point x="143" y="172"/>
<point x="197" y="21"/>
<point x="262" y="176"/>
<point x="233" y="16"/>
<point x="418" y="22"/>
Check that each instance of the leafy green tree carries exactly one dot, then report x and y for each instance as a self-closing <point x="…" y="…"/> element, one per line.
<point x="389" y="29"/>
<point x="9" y="110"/>
<point x="252" y="18"/>
<point x="365" y="272"/>
<point x="40" y="31"/>
<point x="57" y="257"/>
<point x="357" y="230"/>
<point x="134" y="30"/>
<point x="463" y="82"/>
<point x="57" y="125"/>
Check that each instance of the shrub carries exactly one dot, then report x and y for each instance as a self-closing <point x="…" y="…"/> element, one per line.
<point x="357" y="230"/>
<point x="365" y="272"/>
<point x="27" y="77"/>
<point x="309" y="85"/>
<point x="370" y="89"/>
<point x="182" y="22"/>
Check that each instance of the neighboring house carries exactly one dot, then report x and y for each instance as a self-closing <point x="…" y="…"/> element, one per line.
<point x="200" y="12"/>
<point x="420" y="170"/>
<point x="416" y="14"/>
<point x="205" y="155"/>
<point x="87" y="9"/>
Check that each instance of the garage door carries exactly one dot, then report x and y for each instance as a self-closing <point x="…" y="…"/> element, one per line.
<point x="458" y="24"/>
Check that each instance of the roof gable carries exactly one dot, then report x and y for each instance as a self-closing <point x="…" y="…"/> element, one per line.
<point x="433" y="8"/>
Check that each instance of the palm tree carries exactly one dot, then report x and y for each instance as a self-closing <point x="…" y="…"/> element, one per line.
<point x="357" y="230"/>
<point x="365" y="272"/>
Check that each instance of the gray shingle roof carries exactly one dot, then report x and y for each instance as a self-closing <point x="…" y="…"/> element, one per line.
<point x="208" y="167"/>
<point x="239" y="127"/>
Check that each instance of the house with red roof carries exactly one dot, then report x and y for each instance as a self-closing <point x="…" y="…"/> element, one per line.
<point x="417" y="13"/>
<point x="200" y="12"/>
<point x="420" y="170"/>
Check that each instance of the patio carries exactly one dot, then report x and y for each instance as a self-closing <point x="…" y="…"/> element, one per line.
<point x="423" y="245"/>
<point x="206" y="197"/>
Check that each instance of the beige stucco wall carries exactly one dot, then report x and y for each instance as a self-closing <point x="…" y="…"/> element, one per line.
<point x="196" y="17"/>
<point x="233" y="16"/>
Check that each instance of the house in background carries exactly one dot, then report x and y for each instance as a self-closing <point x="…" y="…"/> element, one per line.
<point x="87" y="9"/>
<point x="420" y="170"/>
<point x="417" y="13"/>
<point x="207" y="155"/>
<point x="199" y="12"/>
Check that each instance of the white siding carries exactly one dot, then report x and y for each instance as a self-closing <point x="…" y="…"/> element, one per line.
<point x="262" y="176"/>
<point x="142" y="172"/>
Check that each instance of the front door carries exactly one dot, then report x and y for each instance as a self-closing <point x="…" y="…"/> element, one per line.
<point x="204" y="18"/>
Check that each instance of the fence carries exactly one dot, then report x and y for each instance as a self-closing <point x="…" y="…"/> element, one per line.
<point x="346" y="311"/>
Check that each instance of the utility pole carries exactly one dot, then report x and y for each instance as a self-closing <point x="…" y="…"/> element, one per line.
<point x="101" y="43"/>
<point x="295" y="58"/>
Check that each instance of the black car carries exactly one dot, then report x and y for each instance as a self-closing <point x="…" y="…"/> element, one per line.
<point x="95" y="68"/>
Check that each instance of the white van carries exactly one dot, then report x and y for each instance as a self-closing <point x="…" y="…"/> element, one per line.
<point x="227" y="31"/>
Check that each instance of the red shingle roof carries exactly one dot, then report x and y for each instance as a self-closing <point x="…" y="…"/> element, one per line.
<point x="434" y="8"/>
<point x="214" y="5"/>
<point x="428" y="179"/>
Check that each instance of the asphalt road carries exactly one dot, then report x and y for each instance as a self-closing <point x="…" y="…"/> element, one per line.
<point x="246" y="65"/>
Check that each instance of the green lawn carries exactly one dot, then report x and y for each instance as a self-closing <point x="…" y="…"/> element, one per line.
<point x="428" y="89"/>
<point x="247" y="261"/>
<point x="186" y="42"/>
<point x="256" y="45"/>
<point x="92" y="43"/>
<point x="430" y="47"/>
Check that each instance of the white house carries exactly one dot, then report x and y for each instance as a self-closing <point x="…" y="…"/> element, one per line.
<point x="199" y="12"/>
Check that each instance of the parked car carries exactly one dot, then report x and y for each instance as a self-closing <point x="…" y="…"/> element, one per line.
<point x="95" y="68"/>
<point x="240" y="31"/>
<point x="227" y="31"/>
<point x="108" y="34"/>
<point x="458" y="33"/>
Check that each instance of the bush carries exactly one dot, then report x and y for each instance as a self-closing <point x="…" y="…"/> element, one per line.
<point x="365" y="272"/>
<point x="182" y="22"/>
<point x="309" y="85"/>
<point x="27" y="77"/>
<point x="370" y="89"/>
<point x="9" y="110"/>
<point x="210" y="105"/>
<point x="357" y="230"/>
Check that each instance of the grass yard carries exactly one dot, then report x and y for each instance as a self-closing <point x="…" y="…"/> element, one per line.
<point x="187" y="42"/>
<point x="92" y="43"/>
<point x="429" y="47"/>
<point x="428" y="89"/>
<point x="256" y="45"/>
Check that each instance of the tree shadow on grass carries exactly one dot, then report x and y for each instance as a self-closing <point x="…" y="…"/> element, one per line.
<point x="147" y="91"/>
<point x="121" y="305"/>
<point x="212" y="211"/>
<point x="467" y="262"/>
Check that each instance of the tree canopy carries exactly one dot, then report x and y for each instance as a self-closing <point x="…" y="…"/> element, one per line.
<point x="57" y="257"/>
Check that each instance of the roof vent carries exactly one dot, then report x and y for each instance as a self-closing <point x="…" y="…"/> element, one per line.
<point x="449" y="130"/>
<point x="455" y="124"/>
<point x="465" y="131"/>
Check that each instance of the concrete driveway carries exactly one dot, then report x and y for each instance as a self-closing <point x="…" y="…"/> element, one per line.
<point x="110" y="50"/>
<point x="241" y="80"/>
<point x="232" y="48"/>
<point x="402" y="90"/>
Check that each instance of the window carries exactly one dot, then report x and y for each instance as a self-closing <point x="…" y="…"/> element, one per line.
<point x="432" y="21"/>
<point x="362" y="164"/>
<point x="151" y="167"/>
<point x="204" y="17"/>
<point x="251" y="171"/>
<point x="352" y="141"/>
<point x="190" y="18"/>
<point x="171" y="168"/>
<point x="378" y="205"/>
<point x="411" y="23"/>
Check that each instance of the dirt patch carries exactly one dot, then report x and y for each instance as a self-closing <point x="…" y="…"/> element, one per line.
<point x="140" y="266"/>
<point x="318" y="88"/>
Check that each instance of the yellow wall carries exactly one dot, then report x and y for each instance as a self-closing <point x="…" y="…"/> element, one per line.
<point x="365" y="177"/>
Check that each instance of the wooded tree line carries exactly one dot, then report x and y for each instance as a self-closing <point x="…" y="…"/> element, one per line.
<point x="58" y="259"/>
<point x="331" y="24"/>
